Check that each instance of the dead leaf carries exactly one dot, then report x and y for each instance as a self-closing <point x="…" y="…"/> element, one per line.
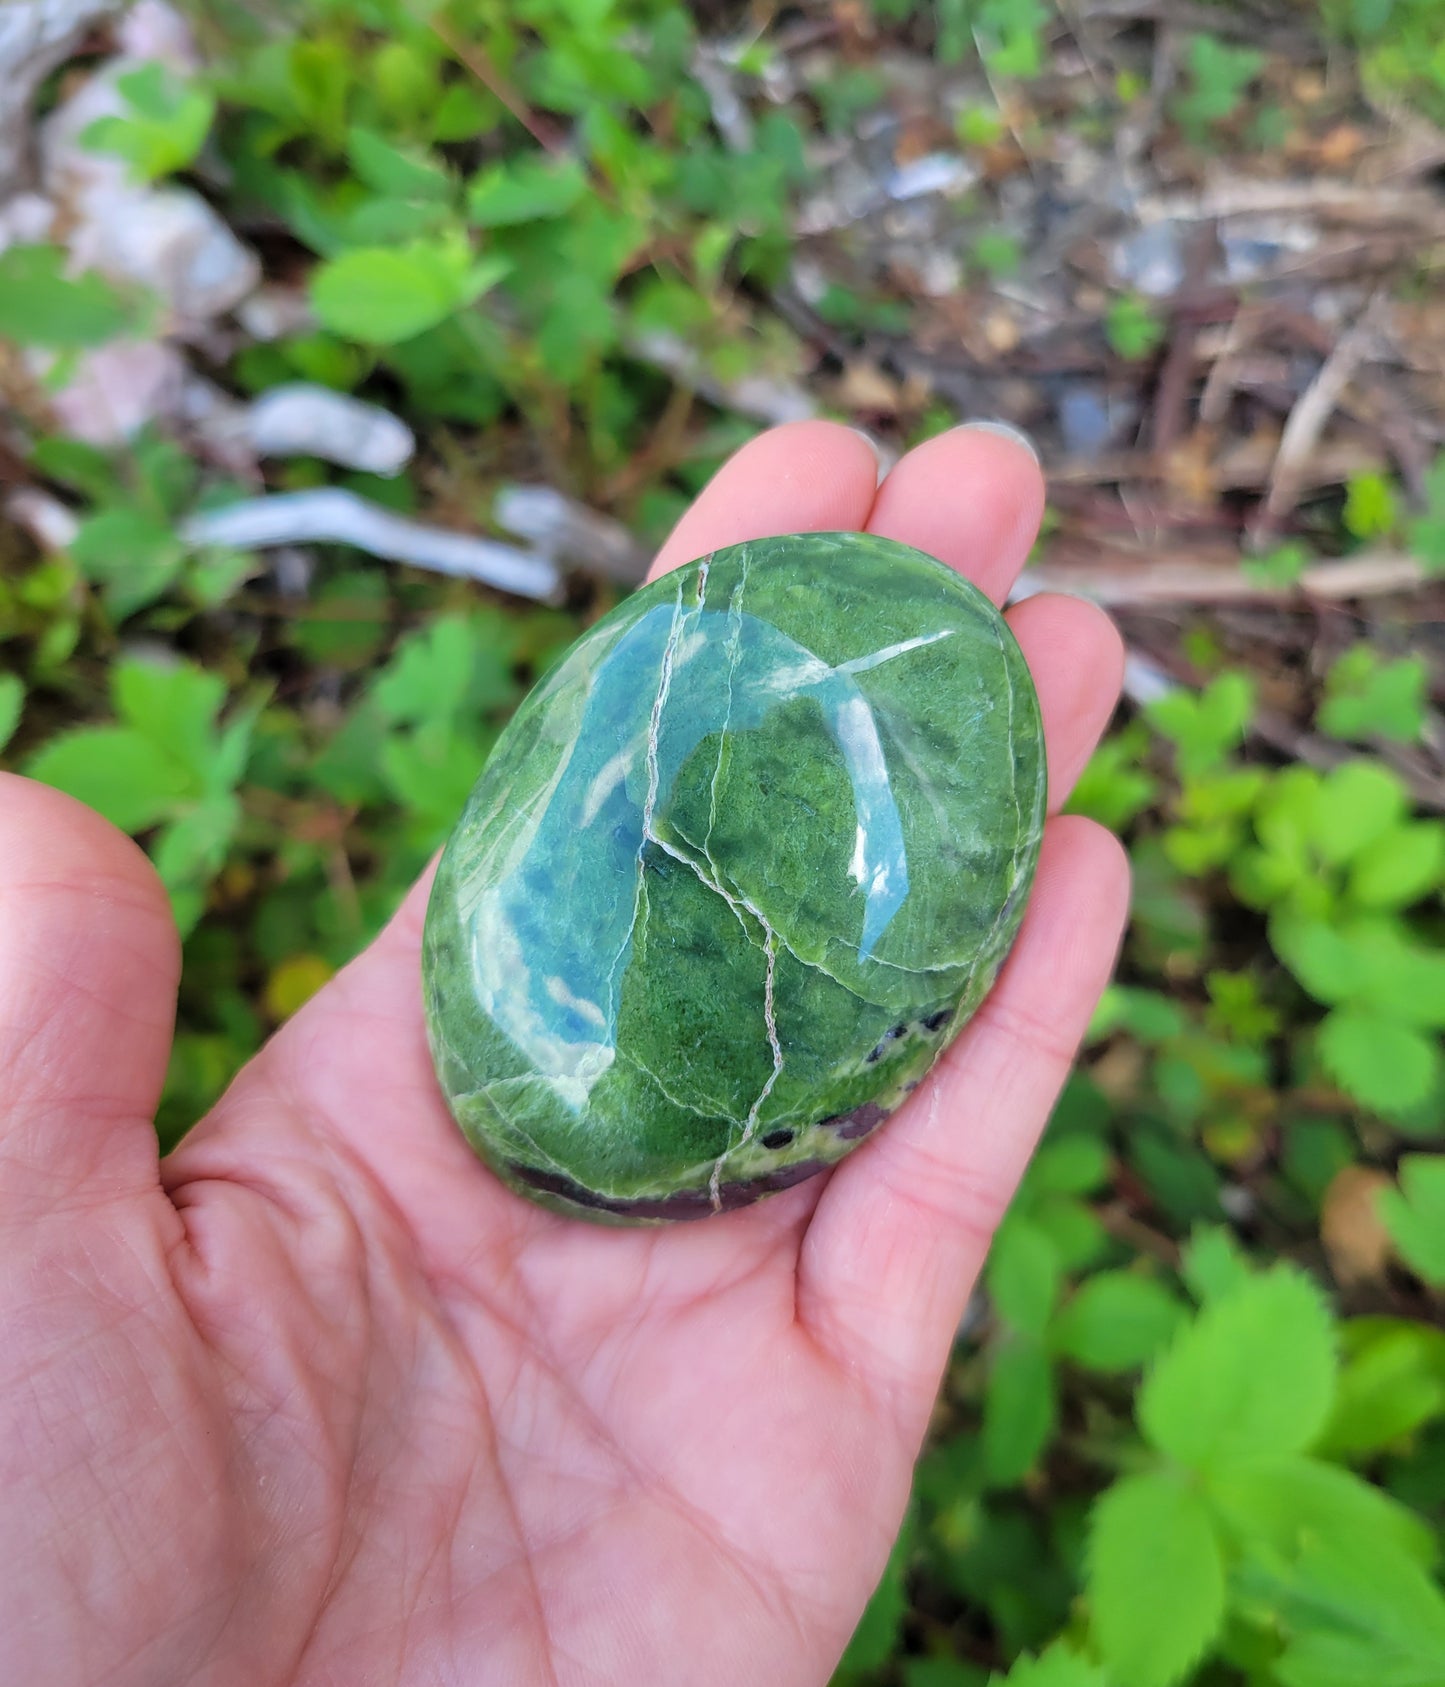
<point x="1189" y="469"/>
<point x="1001" y="331"/>
<point x="1341" y="146"/>
<point x="1353" y="1233"/>
<point x="864" y="386"/>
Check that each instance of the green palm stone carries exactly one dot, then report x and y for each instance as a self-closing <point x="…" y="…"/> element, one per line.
<point x="736" y="871"/>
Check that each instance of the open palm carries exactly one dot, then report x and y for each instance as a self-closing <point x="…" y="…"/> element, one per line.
<point x="316" y="1400"/>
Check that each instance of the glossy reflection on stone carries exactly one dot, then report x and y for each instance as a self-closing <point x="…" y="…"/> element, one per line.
<point x="736" y="871"/>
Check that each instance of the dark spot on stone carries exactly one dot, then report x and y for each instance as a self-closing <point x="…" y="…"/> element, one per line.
<point x="881" y="1048"/>
<point x="910" y="1086"/>
<point x="686" y="1203"/>
<point x="862" y="1120"/>
<point x="777" y="1139"/>
<point x="937" y="1021"/>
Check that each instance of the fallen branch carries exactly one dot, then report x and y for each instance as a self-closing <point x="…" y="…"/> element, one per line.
<point x="331" y="515"/>
<point x="1122" y="585"/>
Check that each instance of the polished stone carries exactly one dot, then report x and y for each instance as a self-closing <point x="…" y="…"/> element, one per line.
<point x="737" y="870"/>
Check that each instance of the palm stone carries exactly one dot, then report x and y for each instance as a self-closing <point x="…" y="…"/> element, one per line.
<point x="737" y="870"/>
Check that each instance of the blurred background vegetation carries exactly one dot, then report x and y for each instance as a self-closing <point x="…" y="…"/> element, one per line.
<point x="353" y="353"/>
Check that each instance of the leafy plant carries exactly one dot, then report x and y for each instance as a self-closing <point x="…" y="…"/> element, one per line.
<point x="168" y="768"/>
<point x="40" y="305"/>
<point x="1217" y="77"/>
<point x="1367" y="696"/>
<point x="1416" y="1215"/>
<point x="1132" y="327"/>
<point x="1230" y="1522"/>
<point x="165" y="127"/>
<point x="378" y="296"/>
<point x="1370" y="510"/>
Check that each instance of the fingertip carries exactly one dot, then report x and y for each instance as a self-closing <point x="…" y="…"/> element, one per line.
<point x="1076" y="657"/>
<point x="89" y="964"/>
<point x="972" y="497"/>
<point x="50" y="840"/>
<point x="1078" y="852"/>
<point x="802" y="477"/>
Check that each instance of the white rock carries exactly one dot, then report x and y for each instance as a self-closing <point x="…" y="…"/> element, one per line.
<point x="301" y="420"/>
<point x="166" y="238"/>
<point x="26" y="219"/>
<point x="51" y="524"/>
<point x="116" y="389"/>
<point x="35" y="36"/>
<point x="334" y="516"/>
<point x="152" y="30"/>
<point x="273" y="311"/>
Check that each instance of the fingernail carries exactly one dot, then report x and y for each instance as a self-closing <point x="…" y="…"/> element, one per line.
<point x="1006" y="430"/>
<point x="876" y="449"/>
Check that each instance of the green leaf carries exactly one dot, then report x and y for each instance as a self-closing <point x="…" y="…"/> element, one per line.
<point x="524" y="190"/>
<point x="381" y="295"/>
<point x="1369" y="511"/>
<point x="1388" y="1066"/>
<point x="1367" y="962"/>
<point x="431" y="771"/>
<point x="1415" y="1215"/>
<point x="1019" y="1410"/>
<point x="1401" y="867"/>
<point x="1354" y="805"/>
<point x="459" y="664"/>
<point x="1114" y="787"/>
<point x="1368" y="697"/>
<point x="1023" y="1275"/>
<point x="1358" y="1614"/>
<point x="1074" y="1164"/>
<point x="1075" y="1229"/>
<point x="1217" y="76"/>
<point x="942" y="1672"/>
<point x="1133" y="327"/>
<point x="174" y="705"/>
<point x="1253" y="1375"/>
<point x="194" y="847"/>
<point x="1204" y="727"/>
<point x="120" y="774"/>
<point x="1392" y="1384"/>
<point x="12" y="701"/>
<point x="165" y="129"/>
<point x="41" y="306"/>
<point x="1155" y="1582"/>
<point x="348" y="619"/>
<point x="394" y="173"/>
<point x="1058" y="1667"/>
<point x="1281" y="566"/>
<point x="131" y="555"/>
<point x="1116" y="1321"/>
<point x="1288" y="1504"/>
<point x="83" y="468"/>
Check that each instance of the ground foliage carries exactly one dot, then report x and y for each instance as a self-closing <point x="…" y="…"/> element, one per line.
<point x="1195" y="1430"/>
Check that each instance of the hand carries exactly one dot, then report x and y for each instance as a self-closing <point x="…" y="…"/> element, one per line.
<point x="315" y="1400"/>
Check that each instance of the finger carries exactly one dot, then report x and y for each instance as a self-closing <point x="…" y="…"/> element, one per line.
<point x="971" y="498"/>
<point x="807" y="477"/>
<point x="903" y="1226"/>
<point x="1076" y="657"/>
<point x="89" y="962"/>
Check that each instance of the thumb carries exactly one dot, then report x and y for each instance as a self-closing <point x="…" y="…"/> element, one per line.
<point x="89" y="961"/>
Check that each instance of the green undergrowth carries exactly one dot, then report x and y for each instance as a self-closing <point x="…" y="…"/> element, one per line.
<point x="1195" y="1428"/>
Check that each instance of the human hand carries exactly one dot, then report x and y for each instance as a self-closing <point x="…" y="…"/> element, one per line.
<point x="316" y="1400"/>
